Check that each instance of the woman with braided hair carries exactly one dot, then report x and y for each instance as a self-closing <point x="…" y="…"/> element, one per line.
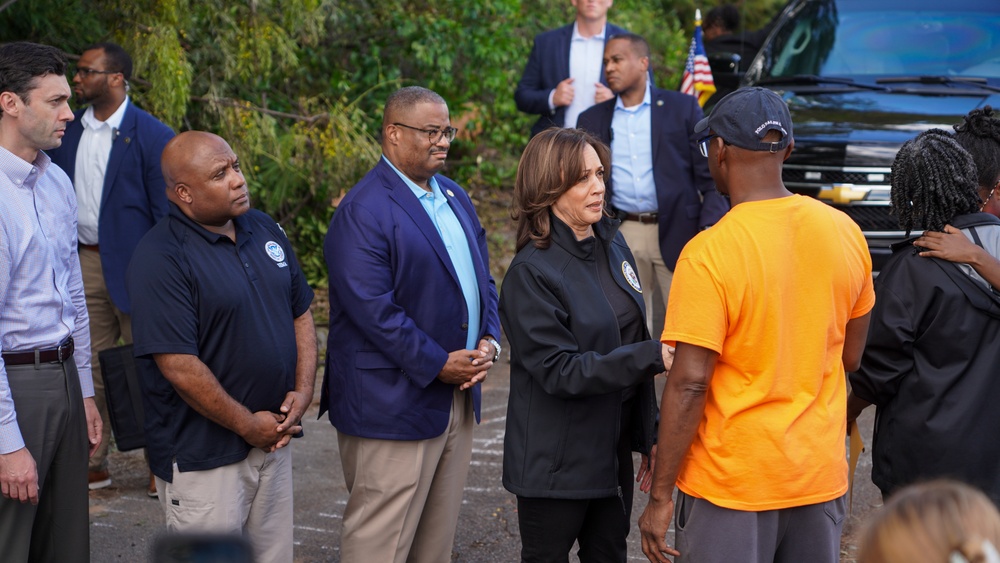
<point x="979" y="134"/>
<point x="930" y="361"/>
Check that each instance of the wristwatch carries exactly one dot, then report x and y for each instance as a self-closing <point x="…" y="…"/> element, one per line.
<point x="496" y="346"/>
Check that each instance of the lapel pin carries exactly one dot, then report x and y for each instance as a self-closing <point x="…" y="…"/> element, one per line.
<point x="450" y="193"/>
<point x="659" y="102"/>
<point x="128" y="140"/>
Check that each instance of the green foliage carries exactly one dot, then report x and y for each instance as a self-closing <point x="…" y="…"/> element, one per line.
<point x="297" y="86"/>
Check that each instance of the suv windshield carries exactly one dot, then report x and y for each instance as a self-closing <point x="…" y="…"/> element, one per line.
<point x="858" y="38"/>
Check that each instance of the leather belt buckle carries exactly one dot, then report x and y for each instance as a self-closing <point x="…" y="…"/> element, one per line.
<point x="642" y="218"/>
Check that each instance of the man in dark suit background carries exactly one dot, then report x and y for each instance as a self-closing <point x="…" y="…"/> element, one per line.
<point x="563" y="76"/>
<point x="413" y="331"/>
<point x="660" y="185"/>
<point x="111" y="152"/>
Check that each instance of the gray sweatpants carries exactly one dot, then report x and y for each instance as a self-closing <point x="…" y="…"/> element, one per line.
<point x="707" y="533"/>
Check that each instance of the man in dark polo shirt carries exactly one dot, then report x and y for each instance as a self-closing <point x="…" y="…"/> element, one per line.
<point x="220" y="304"/>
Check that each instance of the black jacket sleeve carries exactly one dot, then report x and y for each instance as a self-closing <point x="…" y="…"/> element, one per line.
<point x="538" y="326"/>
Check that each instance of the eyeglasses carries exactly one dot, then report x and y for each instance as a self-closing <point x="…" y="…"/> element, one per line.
<point x="703" y="144"/>
<point x="85" y="72"/>
<point x="434" y="135"/>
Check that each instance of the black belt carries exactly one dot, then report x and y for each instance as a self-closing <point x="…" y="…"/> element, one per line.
<point x="91" y="247"/>
<point x="644" y="218"/>
<point x="59" y="354"/>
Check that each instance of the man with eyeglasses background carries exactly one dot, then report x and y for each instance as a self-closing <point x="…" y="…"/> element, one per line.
<point x="660" y="188"/>
<point x="413" y="331"/>
<point x="111" y="153"/>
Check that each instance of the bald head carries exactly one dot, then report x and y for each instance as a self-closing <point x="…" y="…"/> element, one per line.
<point x="204" y="179"/>
<point x="176" y="161"/>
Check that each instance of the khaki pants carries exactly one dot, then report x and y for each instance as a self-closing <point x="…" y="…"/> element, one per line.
<point x="252" y="497"/>
<point x="108" y="324"/>
<point x="654" y="276"/>
<point x="405" y="496"/>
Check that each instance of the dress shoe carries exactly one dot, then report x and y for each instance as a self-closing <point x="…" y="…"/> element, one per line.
<point x="98" y="479"/>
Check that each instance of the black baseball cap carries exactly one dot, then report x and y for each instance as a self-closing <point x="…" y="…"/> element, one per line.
<point x="745" y="116"/>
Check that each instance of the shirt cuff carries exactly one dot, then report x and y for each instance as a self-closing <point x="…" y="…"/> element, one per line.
<point x="10" y="437"/>
<point x="552" y="104"/>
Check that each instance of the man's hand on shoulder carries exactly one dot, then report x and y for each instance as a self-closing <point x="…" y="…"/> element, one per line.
<point x="465" y="368"/>
<point x="19" y="476"/>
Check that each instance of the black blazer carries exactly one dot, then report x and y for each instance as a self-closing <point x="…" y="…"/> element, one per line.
<point x="685" y="193"/>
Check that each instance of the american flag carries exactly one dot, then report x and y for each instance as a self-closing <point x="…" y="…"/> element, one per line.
<point x="698" y="80"/>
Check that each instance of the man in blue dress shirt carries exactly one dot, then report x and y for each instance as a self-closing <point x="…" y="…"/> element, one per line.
<point x="660" y="185"/>
<point x="413" y="331"/>
<point x="47" y="409"/>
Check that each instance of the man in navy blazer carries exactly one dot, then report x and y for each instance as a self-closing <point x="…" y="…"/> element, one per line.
<point x="660" y="186"/>
<point x="413" y="331"/>
<point x="564" y="74"/>
<point x="111" y="152"/>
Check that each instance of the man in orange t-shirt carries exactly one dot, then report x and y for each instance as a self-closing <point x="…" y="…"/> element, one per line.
<point x="767" y="308"/>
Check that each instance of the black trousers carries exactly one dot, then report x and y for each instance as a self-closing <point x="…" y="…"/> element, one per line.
<point x="550" y="526"/>
<point x="53" y="424"/>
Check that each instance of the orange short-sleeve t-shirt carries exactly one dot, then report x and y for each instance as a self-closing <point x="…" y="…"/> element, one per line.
<point x="771" y="288"/>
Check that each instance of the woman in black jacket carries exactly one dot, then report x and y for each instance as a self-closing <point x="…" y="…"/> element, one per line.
<point x="930" y="362"/>
<point x="582" y="362"/>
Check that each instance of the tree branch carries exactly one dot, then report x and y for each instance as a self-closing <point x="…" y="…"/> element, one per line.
<point x="310" y="119"/>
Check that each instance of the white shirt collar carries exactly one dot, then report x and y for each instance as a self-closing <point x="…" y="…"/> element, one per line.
<point x="89" y="121"/>
<point x="578" y="37"/>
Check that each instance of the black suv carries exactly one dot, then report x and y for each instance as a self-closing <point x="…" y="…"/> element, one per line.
<point x="863" y="76"/>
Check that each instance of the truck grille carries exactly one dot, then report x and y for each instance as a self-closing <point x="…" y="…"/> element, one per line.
<point x="871" y="217"/>
<point x="860" y="192"/>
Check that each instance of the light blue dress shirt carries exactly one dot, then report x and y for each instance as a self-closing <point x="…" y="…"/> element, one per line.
<point x="632" y="157"/>
<point x="450" y="229"/>
<point x="41" y="288"/>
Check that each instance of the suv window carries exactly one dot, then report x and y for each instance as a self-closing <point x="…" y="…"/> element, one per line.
<point x="863" y="76"/>
<point x="860" y="38"/>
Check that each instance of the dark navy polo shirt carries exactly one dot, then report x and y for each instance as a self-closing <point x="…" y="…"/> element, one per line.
<point x="233" y="306"/>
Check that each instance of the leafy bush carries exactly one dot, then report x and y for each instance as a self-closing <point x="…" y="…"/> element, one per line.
<point x="297" y="86"/>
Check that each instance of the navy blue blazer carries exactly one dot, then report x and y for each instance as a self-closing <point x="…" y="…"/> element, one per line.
<point x="134" y="197"/>
<point x="685" y="192"/>
<point x="396" y="309"/>
<point x="547" y="66"/>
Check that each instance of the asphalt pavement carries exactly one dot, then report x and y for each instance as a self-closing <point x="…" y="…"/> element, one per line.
<point x="124" y="522"/>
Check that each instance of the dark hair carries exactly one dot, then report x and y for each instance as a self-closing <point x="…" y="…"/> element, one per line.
<point x="979" y="133"/>
<point x="933" y="181"/>
<point x="725" y="17"/>
<point x="548" y="168"/>
<point x="639" y="44"/>
<point x="404" y="99"/>
<point x="118" y="60"/>
<point x="22" y="62"/>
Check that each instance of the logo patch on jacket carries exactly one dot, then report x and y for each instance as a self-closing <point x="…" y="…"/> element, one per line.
<point x="277" y="253"/>
<point x="630" y="276"/>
